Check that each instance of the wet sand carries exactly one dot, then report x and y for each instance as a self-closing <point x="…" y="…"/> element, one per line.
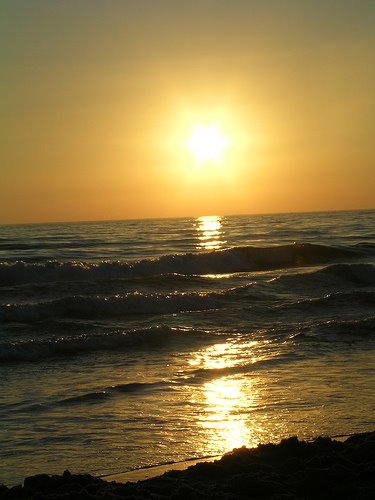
<point x="144" y="473"/>
<point x="291" y="470"/>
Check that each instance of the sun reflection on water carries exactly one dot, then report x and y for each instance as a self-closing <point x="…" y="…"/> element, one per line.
<point x="229" y="402"/>
<point x="210" y="233"/>
<point x="228" y="354"/>
<point x="224" y="421"/>
<point x="217" y="356"/>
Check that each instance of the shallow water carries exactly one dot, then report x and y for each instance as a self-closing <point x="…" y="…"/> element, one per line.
<point x="133" y="343"/>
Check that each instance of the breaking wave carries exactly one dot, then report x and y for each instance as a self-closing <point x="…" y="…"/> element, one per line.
<point x="236" y="259"/>
<point x="352" y="328"/>
<point x="347" y="300"/>
<point x="159" y="336"/>
<point x="112" y="306"/>
<point x="358" y="274"/>
<point x="130" y="388"/>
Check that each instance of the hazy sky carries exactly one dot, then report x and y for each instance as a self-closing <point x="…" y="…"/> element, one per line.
<point x="99" y="98"/>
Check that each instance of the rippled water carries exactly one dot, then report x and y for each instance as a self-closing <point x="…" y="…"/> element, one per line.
<point x="132" y="343"/>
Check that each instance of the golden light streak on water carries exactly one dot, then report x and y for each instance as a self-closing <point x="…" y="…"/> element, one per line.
<point x="210" y="233"/>
<point x="228" y="402"/>
<point x="224" y="421"/>
<point x="228" y="354"/>
<point x="217" y="356"/>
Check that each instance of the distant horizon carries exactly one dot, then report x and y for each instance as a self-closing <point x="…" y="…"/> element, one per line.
<point x="88" y="221"/>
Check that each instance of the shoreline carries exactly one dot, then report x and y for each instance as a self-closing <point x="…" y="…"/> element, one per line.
<point x="148" y="472"/>
<point x="290" y="470"/>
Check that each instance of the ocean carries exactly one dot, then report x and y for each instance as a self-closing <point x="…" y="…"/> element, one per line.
<point x="126" y="344"/>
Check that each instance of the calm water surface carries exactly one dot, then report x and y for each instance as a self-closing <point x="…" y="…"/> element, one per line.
<point x="131" y="343"/>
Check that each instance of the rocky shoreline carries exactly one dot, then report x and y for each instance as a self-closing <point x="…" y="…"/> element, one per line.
<point x="291" y="470"/>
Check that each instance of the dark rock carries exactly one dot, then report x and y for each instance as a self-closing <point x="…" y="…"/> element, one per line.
<point x="253" y="486"/>
<point x="38" y="482"/>
<point x="291" y="470"/>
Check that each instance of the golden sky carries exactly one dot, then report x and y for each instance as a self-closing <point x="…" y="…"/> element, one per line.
<point x="100" y="100"/>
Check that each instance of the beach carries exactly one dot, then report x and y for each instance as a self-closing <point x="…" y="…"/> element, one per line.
<point x="290" y="470"/>
<point x="134" y="344"/>
<point x="187" y="250"/>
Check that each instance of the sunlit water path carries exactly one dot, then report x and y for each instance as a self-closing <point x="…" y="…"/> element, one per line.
<point x="131" y="343"/>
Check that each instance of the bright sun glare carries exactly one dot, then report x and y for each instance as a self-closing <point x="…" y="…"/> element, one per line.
<point x="207" y="143"/>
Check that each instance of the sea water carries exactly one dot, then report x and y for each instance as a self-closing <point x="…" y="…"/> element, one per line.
<point x="131" y="343"/>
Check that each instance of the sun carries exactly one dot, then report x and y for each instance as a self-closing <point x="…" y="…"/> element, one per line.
<point x="207" y="143"/>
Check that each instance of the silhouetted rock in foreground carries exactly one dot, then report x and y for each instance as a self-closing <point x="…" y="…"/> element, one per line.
<point x="323" y="469"/>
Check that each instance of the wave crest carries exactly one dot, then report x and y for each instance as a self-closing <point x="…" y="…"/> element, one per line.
<point x="153" y="337"/>
<point x="85" y="307"/>
<point x="236" y="259"/>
